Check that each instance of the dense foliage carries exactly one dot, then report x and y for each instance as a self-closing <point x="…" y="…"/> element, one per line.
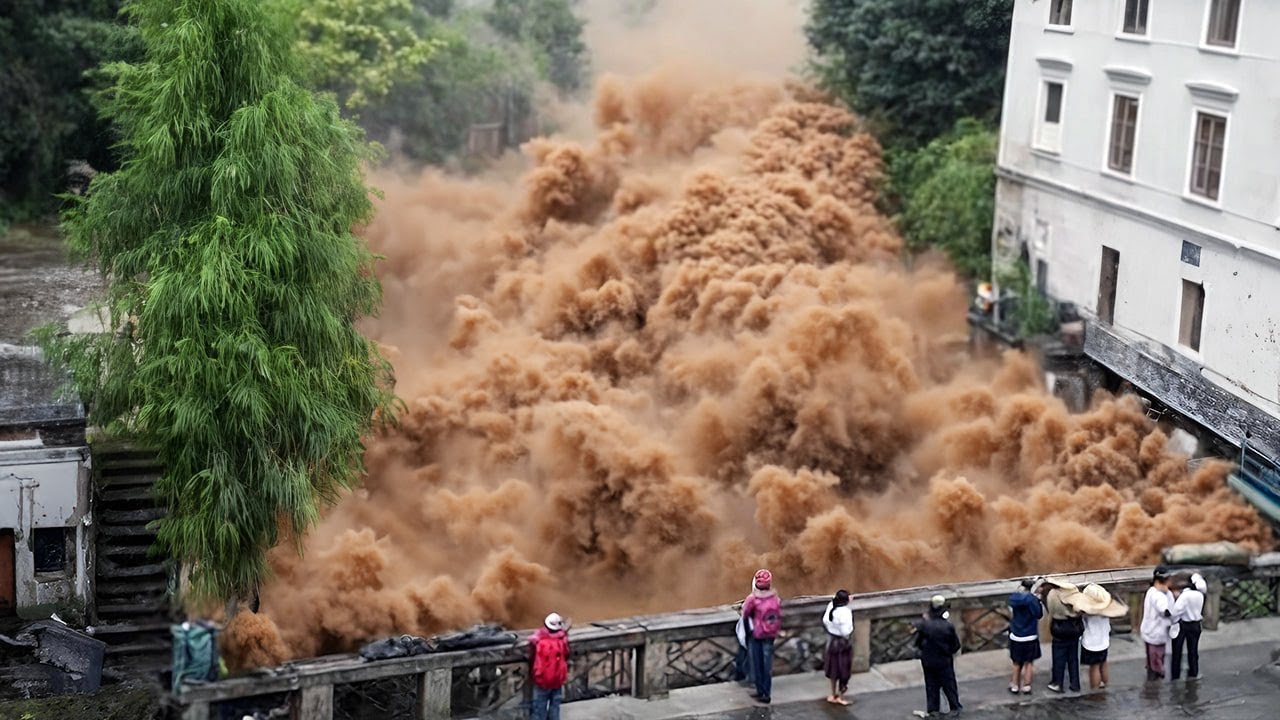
<point x="929" y="77"/>
<point x="947" y="192"/>
<point x="427" y="118"/>
<point x="551" y="30"/>
<point x="359" y="48"/>
<point x="46" y="115"/>
<point x="417" y="73"/>
<point x="234" y="281"/>
<point x="914" y="67"/>
<point x="491" y="65"/>
<point x="1030" y="312"/>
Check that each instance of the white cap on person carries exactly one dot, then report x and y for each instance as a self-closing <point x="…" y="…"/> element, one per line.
<point x="554" y="622"/>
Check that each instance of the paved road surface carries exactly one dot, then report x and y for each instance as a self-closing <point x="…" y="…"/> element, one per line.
<point x="1238" y="684"/>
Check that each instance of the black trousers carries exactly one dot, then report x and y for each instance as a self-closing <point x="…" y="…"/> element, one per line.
<point x="940" y="677"/>
<point x="1188" y="635"/>
<point x="1066" y="660"/>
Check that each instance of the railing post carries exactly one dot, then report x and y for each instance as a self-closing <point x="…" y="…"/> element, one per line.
<point x="861" y="643"/>
<point x="638" y="679"/>
<point x="435" y="699"/>
<point x="653" y="658"/>
<point x="1213" y="604"/>
<point x="957" y="621"/>
<point x="312" y="702"/>
<point x="198" y="710"/>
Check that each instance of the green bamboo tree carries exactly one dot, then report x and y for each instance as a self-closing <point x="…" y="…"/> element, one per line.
<point x="234" y="284"/>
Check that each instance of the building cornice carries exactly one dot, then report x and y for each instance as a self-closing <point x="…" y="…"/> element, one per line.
<point x="1114" y="206"/>
<point x="1212" y="91"/>
<point x="1054" y="64"/>
<point x="1132" y="76"/>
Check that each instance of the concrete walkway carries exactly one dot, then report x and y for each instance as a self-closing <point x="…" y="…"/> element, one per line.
<point x="1229" y="657"/>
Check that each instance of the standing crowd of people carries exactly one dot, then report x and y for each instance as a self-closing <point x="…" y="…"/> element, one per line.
<point x="1079" y="630"/>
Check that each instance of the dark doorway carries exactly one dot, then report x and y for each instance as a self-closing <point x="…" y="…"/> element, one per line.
<point x="8" y="583"/>
<point x="1192" y="314"/>
<point x="1107" y="285"/>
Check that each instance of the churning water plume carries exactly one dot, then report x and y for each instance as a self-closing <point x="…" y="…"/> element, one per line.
<point x="687" y="349"/>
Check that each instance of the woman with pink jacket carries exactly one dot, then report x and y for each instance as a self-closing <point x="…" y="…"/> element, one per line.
<point x="764" y="611"/>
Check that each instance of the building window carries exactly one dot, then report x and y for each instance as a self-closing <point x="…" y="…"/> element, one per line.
<point x="1135" y="17"/>
<point x="1224" y="21"/>
<point x="49" y="545"/>
<point x="1049" y="133"/>
<point x="1042" y="278"/>
<point x="1192" y="314"/>
<point x="1124" y="133"/>
<point x="1190" y="253"/>
<point x="1207" y="154"/>
<point x="1060" y="12"/>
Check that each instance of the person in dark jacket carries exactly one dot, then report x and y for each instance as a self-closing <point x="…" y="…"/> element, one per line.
<point x="937" y="642"/>
<point x="1024" y="635"/>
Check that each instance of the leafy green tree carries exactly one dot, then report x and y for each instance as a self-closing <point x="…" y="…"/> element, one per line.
<point x="360" y="48"/>
<point x="552" y="31"/>
<point x="46" y="114"/>
<point x="427" y="118"/>
<point x="234" y="282"/>
<point x="947" y="191"/>
<point x="912" y="66"/>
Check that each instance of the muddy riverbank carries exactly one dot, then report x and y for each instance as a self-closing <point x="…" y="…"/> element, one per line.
<point x="39" y="281"/>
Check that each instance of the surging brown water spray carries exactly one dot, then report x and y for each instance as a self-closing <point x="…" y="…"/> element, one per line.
<point x="685" y="350"/>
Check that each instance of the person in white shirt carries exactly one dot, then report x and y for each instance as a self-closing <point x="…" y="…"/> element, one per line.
<point x="1188" y="612"/>
<point x="838" y="663"/>
<point x="1157" y="617"/>
<point x="1097" y="607"/>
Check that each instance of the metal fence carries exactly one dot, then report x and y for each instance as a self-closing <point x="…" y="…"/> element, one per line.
<point x="648" y="656"/>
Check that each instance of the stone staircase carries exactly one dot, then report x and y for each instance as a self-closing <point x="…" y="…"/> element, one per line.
<point x="131" y="583"/>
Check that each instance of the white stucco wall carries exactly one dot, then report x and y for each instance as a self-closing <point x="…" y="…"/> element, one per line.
<point x="1147" y="217"/>
<point x="47" y="488"/>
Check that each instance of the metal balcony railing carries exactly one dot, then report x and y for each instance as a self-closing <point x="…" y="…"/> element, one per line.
<point x="648" y="656"/>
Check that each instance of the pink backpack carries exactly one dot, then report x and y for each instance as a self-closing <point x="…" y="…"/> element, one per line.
<point x="767" y="617"/>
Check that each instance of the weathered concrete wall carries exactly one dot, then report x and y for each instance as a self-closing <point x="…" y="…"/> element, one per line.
<point x="48" y="488"/>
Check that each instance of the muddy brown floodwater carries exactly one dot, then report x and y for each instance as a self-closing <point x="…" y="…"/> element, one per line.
<point x="684" y="348"/>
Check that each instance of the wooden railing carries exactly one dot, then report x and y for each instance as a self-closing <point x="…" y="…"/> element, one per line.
<point x="650" y="655"/>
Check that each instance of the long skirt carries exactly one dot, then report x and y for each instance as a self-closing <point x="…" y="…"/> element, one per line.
<point x="838" y="664"/>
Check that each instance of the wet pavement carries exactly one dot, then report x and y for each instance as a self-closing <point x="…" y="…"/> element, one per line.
<point x="1239" y="683"/>
<point x="39" y="283"/>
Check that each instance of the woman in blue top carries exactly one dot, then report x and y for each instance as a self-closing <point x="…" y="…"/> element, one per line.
<point x="1024" y="637"/>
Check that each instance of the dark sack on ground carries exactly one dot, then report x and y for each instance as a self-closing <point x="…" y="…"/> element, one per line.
<point x="473" y="637"/>
<point x="403" y="646"/>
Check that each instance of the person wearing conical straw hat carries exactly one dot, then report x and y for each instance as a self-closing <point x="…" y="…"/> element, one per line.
<point x="1097" y="607"/>
<point x="1066" y="627"/>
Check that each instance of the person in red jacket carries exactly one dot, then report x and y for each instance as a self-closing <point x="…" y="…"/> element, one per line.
<point x="549" y="649"/>
<point x="763" y="608"/>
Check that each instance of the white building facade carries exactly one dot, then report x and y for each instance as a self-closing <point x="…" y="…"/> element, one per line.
<point x="46" y="524"/>
<point x="1139" y="175"/>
